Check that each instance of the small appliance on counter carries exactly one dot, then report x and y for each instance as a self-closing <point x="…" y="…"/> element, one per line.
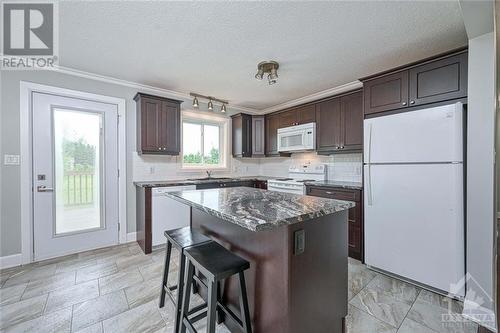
<point x="298" y="175"/>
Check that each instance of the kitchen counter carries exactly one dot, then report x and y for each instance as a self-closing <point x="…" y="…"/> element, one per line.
<point x="181" y="182"/>
<point x="334" y="183"/>
<point x="258" y="210"/>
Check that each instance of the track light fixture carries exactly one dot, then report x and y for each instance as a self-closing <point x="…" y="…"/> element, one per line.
<point x="211" y="101"/>
<point x="270" y="67"/>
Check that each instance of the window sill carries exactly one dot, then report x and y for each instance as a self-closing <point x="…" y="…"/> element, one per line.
<point x="197" y="169"/>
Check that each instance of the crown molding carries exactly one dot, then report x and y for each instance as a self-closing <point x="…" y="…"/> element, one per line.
<point x="316" y="96"/>
<point x="185" y="96"/>
<point x="143" y="87"/>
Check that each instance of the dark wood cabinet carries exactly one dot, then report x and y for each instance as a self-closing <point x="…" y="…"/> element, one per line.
<point x="355" y="217"/>
<point x="262" y="184"/>
<point x="328" y="125"/>
<point x="351" y="130"/>
<point x="272" y="125"/>
<point x="287" y="118"/>
<point x="258" y="136"/>
<point x="386" y="93"/>
<point x="242" y="135"/>
<point x="297" y="116"/>
<point x="158" y="125"/>
<point x="439" y="80"/>
<point x="433" y="80"/>
<point x="339" y="124"/>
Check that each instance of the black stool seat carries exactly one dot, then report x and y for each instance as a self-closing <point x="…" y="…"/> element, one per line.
<point x="215" y="262"/>
<point x="184" y="237"/>
<point x="181" y="239"/>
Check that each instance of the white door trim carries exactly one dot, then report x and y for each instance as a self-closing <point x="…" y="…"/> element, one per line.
<point x="26" y="92"/>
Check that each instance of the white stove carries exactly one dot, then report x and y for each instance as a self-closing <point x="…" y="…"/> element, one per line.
<point x="298" y="175"/>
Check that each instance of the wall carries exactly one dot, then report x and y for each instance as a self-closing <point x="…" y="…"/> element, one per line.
<point x="480" y="173"/>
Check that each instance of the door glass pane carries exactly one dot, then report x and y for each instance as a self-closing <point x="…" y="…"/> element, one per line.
<point x="211" y="144"/>
<point x="77" y="161"/>
<point x="191" y="143"/>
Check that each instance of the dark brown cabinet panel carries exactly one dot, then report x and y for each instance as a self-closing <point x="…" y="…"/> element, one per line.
<point x="306" y="114"/>
<point x="386" y="93"/>
<point x="272" y="125"/>
<point x="158" y="125"/>
<point x="287" y="118"/>
<point x="352" y="121"/>
<point x="355" y="216"/>
<point x="328" y="125"/>
<point x="242" y="135"/>
<point x="258" y="136"/>
<point x="439" y="80"/>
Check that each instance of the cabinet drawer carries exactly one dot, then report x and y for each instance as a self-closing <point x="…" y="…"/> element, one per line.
<point x="354" y="239"/>
<point x="349" y="195"/>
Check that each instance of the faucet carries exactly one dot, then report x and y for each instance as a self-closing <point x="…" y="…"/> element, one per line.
<point x="209" y="174"/>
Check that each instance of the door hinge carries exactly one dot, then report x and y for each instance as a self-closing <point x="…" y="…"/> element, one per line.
<point x="118" y="173"/>
<point x="118" y="226"/>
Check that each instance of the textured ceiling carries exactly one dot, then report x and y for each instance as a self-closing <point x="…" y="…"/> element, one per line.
<point x="213" y="47"/>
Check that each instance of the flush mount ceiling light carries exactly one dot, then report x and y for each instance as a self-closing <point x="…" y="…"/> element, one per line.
<point x="270" y="67"/>
<point x="211" y="101"/>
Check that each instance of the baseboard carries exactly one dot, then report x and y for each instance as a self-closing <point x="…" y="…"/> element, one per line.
<point x="11" y="261"/>
<point x="131" y="236"/>
<point x="480" y="315"/>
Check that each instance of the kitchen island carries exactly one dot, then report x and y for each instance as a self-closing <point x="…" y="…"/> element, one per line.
<point x="297" y="249"/>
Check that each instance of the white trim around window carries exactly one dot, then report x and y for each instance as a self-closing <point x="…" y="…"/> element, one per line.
<point x="224" y="145"/>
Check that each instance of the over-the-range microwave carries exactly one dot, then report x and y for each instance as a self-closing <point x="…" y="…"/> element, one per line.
<point x="297" y="138"/>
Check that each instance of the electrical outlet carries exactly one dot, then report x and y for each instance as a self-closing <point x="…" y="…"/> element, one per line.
<point x="11" y="159"/>
<point x="151" y="170"/>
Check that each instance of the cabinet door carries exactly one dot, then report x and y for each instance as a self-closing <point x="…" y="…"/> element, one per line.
<point x="386" y="93"/>
<point x="352" y="121"/>
<point x="258" y="135"/>
<point x="169" y="128"/>
<point x="439" y="80"/>
<point x="150" y="132"/>
<point x="306" y="114"/>
<point x="272" y="125"/>
<point x="354" y="242"/>
<point x="287" y="118"/>
<point x="328" y="125"/>
<point x="237" y="135"/>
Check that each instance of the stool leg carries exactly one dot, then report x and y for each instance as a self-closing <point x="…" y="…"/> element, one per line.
<point x="180" y="289"/>
<point x="195" y="285"/>
<point x="245" y="312"/>
<point x="186" y="297"/>
<point x="166" y="267"/>
<point x="212" y="306"/>
<point x="220" y="313"/>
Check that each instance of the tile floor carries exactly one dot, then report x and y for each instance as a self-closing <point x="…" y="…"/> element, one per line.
<point x="116" y="289"/>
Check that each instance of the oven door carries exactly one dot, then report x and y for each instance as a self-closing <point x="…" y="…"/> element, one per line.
<point x="287" y="188"/>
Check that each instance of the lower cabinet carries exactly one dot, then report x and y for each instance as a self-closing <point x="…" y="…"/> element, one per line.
<point x="355" y="218"/>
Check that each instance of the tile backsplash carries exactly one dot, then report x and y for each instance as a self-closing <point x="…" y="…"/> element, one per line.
<point x="341" y="167"/>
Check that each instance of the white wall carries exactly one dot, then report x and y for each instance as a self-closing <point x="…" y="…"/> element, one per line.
<point x="480" y="173"/>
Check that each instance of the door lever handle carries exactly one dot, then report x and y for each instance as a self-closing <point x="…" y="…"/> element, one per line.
<point x="43" y="188"/>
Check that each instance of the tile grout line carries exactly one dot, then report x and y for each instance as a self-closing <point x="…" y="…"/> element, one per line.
<point x="411" y="307"/>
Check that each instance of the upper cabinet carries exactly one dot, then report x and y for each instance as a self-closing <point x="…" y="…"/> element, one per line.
<point x="339" y="124"/>
<point x="242" y="135"/>
<point x="158" y="125"/>
<point x="272" y="125"/>
<point x="258" y="135"/>
<point x="300" y="115"/>
<point x="442" y="79"/>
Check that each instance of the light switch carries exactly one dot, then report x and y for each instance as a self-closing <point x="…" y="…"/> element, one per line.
<point x="11" y="159"/>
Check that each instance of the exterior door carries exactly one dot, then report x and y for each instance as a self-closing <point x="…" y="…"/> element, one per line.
<point x="75" y="175"/>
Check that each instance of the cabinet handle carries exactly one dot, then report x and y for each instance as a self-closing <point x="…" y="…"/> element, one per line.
<point x="412" y="102"/>
<point x="328" y="192"/>
<point x="404" y="103"/>
<point x="159" y="148"/>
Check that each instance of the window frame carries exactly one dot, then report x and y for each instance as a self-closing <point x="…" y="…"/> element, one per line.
<point x="222" y="123"/>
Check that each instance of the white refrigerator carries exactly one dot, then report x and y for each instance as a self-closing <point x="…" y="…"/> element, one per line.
<point x="414" y="196"/>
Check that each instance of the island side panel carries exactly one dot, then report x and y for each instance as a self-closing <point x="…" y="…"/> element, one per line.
<point x="143" y="218"/>
<point x="267" y="278"/>
<point x="318" y="276"/>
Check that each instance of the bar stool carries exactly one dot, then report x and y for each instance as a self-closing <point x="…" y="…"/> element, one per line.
<point x="215" y="263"/>
<point x="181" y="239"/>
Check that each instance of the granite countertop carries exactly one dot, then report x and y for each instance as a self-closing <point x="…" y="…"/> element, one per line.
<point x="334" y="183"/>
<point x="181" y="182"/>
<point x="259" y="210"/>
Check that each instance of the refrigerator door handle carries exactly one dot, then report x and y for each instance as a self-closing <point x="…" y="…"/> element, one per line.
<point x="369" y="150"/>
<point x="369" y="194"/>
